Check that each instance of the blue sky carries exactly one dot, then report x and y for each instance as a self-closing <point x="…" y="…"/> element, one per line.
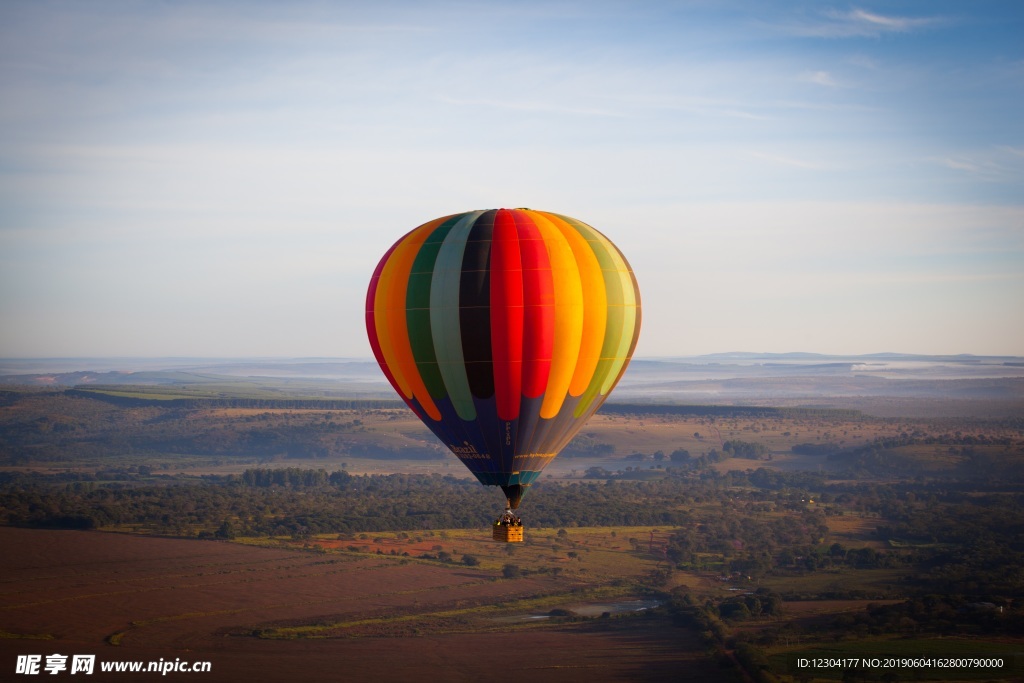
<point x="220" y="179"/>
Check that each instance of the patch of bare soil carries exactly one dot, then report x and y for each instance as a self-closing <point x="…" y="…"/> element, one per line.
<point x="126" y="598"/>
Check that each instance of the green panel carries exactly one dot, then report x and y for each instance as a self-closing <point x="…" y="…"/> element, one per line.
<point x="444" y="316"/>
<point x="417" y="302"/>
<point x="626" y="337"/>
<point x="618" y="335"/>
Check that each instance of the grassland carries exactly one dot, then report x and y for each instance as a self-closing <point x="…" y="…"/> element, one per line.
<point x="390" y="605"/>
<point x="303" y="613"/>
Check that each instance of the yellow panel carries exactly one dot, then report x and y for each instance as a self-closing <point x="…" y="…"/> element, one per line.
<point x="568" y="292"/>
<point x="595" y="305"/>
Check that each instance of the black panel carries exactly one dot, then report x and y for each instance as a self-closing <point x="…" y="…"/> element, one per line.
<point x="475" y="306"/>
<point x="514" y="493"/>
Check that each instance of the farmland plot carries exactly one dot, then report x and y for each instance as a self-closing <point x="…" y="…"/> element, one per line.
<point x="133" y="598"/>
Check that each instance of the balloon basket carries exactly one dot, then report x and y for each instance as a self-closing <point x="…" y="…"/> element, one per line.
<point x="508" y="528"/>
<point x="508" y="534"/>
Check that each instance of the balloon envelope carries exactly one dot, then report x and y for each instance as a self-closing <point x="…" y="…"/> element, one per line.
<point x="504" y="330"/>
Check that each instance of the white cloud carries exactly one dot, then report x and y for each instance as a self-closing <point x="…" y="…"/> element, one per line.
<point x="959" y="165"/>
<point x="999" y="164"/>
<point x="528" y="106"/>
<point x="784" y="160"/>
<point x="856" y="23"/>
<point x="821" y="78"/>
<point x="882" y="22"/>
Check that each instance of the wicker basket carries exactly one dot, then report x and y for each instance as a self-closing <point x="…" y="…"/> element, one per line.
<point x="508" y="533"/>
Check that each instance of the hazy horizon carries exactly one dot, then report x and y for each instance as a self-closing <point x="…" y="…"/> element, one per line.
<point x="990" y="387"/>
<point x="369" y="357"/>
<point x="656" y="369"/>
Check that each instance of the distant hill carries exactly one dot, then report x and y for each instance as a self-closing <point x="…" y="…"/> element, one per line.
<point x="879" y="383"/>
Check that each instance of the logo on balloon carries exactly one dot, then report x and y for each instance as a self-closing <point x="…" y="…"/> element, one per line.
<point x="467" y="450"/>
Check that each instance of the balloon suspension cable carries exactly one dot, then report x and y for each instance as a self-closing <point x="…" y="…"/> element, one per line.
<point x="509" y="518"/>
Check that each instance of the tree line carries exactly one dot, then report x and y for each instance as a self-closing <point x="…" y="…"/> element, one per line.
<point x="959" y="538"/>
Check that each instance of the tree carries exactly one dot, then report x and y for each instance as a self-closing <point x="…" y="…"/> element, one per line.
<point x="735" y="609"/>
<point x="680" y="455"/>
<point x="511" y="571"/>
<point x="226" y="530"/>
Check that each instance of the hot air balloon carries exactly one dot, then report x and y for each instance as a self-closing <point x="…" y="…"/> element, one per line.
<point x="504" y="331"/>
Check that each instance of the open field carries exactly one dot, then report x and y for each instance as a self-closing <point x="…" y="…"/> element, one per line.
<point x="255" y="612"/>
<point x="373" y="606"/>
<point x="59" y="431"/>
<point x="369" y="605"/>
<point x="785" y="529"/>
<point x="589" y="556"/>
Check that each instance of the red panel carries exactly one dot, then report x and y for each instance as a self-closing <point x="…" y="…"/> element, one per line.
<point x="539" y="307"/>
<point x="371" y="324"/>
<point x="506" y="315"/>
